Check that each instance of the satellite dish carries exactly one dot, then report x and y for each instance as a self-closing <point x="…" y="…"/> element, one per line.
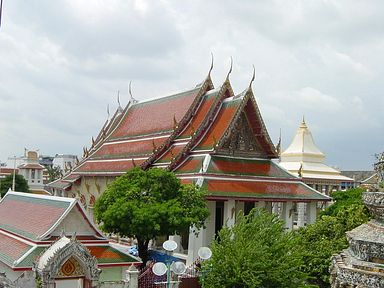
<point x="169" y="245"/>
<point x="159" y="269"/>
<point x="204" y="253"/>
<point x="178" y="267"/>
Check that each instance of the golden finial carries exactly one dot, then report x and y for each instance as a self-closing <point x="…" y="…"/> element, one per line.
<point x="230" y="68"/>
<point x="253" y="76"/>
<point x="210" y="69"/>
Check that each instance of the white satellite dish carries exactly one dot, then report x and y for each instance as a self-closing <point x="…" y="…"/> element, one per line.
<point x="159" y="269"/>
<point x="178" y="267"/>
<point x="169" y="245"/>
<point x="204" y="253"/>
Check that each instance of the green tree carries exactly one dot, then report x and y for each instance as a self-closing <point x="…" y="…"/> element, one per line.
<point x="255" y="252"/>
<point x="326" y="236"/>
<point x="146" y="204"/>
<point x="21" y="185"/>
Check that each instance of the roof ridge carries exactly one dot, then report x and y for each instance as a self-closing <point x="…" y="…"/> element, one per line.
<point x="38" y="196"/>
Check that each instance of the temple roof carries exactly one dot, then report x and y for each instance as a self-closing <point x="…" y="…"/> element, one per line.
<point x="34" y="217"/>
<point x="28" y="230"/>
<point x="200" y="134"/>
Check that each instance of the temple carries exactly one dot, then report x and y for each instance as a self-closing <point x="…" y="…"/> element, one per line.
<point x="361" y="265"/>
<point x="208" y="136"/>
<point x="51" y="239"/>
<point x="304" y="159"/>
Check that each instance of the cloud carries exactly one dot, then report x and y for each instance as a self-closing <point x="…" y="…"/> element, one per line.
<point x="63" y="62"/>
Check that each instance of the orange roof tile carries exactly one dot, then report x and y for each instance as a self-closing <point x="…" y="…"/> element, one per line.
<point x="220" y="124"/>
<point x="155" y="116"/>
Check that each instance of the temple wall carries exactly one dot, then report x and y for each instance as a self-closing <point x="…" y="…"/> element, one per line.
<point x="74" y="222"/>
<point x="112" y="273"/>
<point x="10" y="274"/>
<point x="90" y="190"/>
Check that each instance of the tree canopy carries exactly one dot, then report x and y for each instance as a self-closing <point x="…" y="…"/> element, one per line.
<point x="146" y="204"/>
<point x="21" y="185"/>
<point x="255" y="252"/>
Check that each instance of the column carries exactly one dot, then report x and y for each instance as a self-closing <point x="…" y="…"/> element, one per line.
<point x="301" y="214"/>
<point x="229" y="212"/>
<point x="204" y="237"/>
<point x="287" y="215"/>
<point x="177" y="239"/>
<point x="311" y="212"/>
<point x="194" y="244"/>
<point x="268" y="206"/>
<point x="132" y="277"/>
<point x="260" y="204"/>
<point x="275" y="208"/>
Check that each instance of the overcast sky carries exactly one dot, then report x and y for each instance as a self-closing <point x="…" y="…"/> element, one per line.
<point x="62" y="62"/>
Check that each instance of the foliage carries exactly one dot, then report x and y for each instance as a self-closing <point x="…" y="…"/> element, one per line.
<point x="343" y="199"/>
<point x="326" y="236"/>
<point x="146" y="204"/>
<point x="21" y="185"/>
<point x="54" y="173"/>
<point x="255" y="252"/>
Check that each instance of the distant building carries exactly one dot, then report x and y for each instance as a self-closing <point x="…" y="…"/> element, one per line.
<point x="302" y="158"/>
<point x="65" y="161"/>
<point x="364" y="179"/>
<point x="51" y="239"/>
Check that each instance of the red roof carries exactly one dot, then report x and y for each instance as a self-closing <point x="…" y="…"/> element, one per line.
<point x="246" y="167"/>
<point x="30" y="216"/>
<point x="192" y="165"/>
<point x="11" y="249"/>
<point x="220" y="125"/>
<point x="31" y="166"/>
<point x="202" y="112"/>
<point x="171" y="153"/>
<point x="109" y="166"/>
<point x="156" y="116"/>
<point x="129" y="148"/>
<point x="261" y="189"/>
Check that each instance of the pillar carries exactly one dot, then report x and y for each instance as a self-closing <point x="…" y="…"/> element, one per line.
<point x="311" y="212"/>
<point x="132" y="277"/>
<point x="275" y="208"/>
<point x="177" y="239"/>
<point x="301" y="214"/>
<point x="229" y="212"/>
<point x="194" y="244"/>
<point x="287" y="215"/>
<point x="260" y="204"/>
<point x="204" y="237"/>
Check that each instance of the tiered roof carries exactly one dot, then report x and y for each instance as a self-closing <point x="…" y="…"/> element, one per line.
<point x="29" y="224"/>
<point x="305" y="158"/>
<point x="179" y="132"/>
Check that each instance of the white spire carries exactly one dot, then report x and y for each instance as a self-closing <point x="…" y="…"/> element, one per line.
<point x="303" y="147"/>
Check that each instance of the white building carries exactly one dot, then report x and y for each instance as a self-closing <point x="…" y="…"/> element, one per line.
<point x="302" y="158"/>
